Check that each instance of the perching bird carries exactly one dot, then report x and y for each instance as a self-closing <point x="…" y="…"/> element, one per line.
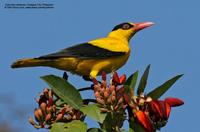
<point x="91" y="58"/>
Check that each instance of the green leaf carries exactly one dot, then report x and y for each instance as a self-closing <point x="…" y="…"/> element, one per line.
<point x="59" y="102"/>
<point x="159" y="91"/>
<point x="93" y="111"/>
<point x="114" y="121"/>
<point x="94" y="130"/>
<point x="68" y="93"/>
<point x="76" y="126"/>
<point x="58" y="127"/>
<point x="131" y="82"/>
<point x="73" y="126"/>
<point x="143" y="81"/>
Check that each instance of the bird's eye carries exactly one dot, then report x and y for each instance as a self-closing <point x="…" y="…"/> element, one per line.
<point x="126" y="26"/>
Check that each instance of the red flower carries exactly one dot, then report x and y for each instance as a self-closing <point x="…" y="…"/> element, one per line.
<point x="144" y="120"/>
<point x="173" y="102"/>
<point x="162" y="109"/>
<point x="119" y="80"/>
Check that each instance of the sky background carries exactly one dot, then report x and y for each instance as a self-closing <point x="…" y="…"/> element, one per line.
<point x="171" y="46"/>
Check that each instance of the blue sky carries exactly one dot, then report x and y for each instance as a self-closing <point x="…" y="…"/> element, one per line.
<point x="171" y="46"/>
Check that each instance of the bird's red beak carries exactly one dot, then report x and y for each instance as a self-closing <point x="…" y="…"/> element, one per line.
<point x="142" y="25"/>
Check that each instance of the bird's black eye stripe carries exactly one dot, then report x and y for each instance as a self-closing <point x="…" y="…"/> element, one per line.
<point x="124" y="26"/>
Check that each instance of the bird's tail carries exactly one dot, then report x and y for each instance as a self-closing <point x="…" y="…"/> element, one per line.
<point x="29" y="62"/>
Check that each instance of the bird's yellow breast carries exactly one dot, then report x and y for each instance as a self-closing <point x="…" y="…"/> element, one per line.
<point x="112" y="44"/>
<point x="95" y="67"/>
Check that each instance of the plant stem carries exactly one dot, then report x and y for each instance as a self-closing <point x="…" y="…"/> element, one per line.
<point x="89" y="100"/>
<point x="86" y="88"/>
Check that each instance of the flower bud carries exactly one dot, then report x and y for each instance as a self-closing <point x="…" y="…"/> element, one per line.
<point x="50" y="109"/>
<point x="62" y="111"/>
<point x="96" y="88"/>
<point x="50" y="102"/>
<point x="103" y="74"/>
<point x="120" y="101"/>
<point x="116" y="78"/>
<point x="103" y="84"/>
<point x="31" y="121"/>
<point x="97" y="95"/>
<point x="54" y="108"/>
<point x="50" y="94"/>
<point x="112" y="88"/>
<point x="113" y="93"/>
<point x="108" y="90"/>
<point x="100" y="101"/>
<point x="48" y="117"/>
<point x="59" y="117"/>
<point x="109" y="100"/>
<point x="106" y="94"/>
<point x="38" y="114"/>
<point x="46" y="93"/>
<point x="102" y="91"/>
<point x="122" y="79"/>
<point x="116" y="107"/>
<point x="95" y="81"/>
<point x="113" y="98"/>
<point x="43" y="107"/>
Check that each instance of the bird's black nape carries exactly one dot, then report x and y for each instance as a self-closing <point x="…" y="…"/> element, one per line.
<point x="128" y="25"/>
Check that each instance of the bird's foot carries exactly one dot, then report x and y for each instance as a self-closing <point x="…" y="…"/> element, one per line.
<point x="65" y="76"/>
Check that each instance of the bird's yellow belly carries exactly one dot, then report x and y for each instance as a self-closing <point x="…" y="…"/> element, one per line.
<point x="92" y="67"/>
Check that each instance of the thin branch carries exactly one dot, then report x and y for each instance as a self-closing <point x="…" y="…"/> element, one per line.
<point x="86" y="88"/>
<point x="86" y="101"/>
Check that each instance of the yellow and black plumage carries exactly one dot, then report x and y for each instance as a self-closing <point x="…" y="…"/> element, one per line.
<point x="89" y="59"/>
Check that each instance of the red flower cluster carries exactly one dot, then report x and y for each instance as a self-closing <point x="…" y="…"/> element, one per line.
<point x="110" y="98"/>
<point x="150" y="113"/>
<point x="50" y="112"/>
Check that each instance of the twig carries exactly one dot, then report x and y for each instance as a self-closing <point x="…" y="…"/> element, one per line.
<point x="86" y="88"/>
<point x="86" y="101"/>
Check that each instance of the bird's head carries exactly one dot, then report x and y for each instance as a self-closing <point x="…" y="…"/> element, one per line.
<point x="128" y="29"/>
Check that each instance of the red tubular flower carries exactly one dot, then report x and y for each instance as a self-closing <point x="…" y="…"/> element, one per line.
<point x="165" y="108"/>
<point x="122" y="79"/>
<point x="161" y="109"/>
<point x="94" y="80"/>
<point x="50" y="103"/>
<point x="119" y="80"/>
<point x="173" y="102"/>
<point x="144" y="120"/>
<point x="127" y="98"/>
<point x="156" y="109"/>
<point x="103" y="74"/>
<point x="116" y="78"/>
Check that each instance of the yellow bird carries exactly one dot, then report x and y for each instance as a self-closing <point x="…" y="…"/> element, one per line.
<point x="91" y="58"/>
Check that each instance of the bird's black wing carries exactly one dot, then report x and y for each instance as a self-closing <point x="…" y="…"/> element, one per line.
<point x="83" y="51"/>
